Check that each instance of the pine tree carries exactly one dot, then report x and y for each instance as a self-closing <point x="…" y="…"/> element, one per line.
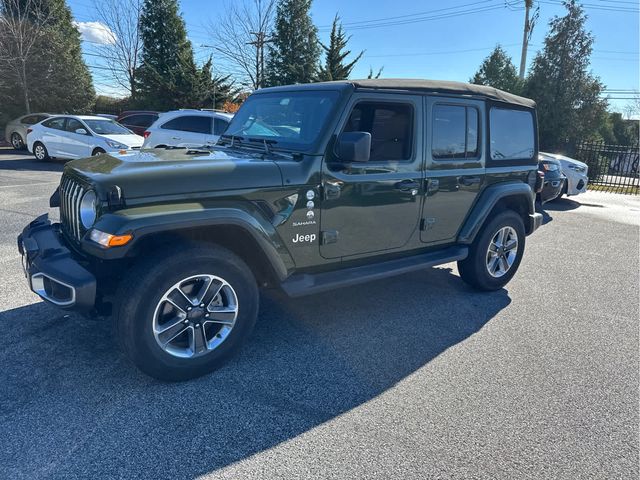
<point x="210" y="86"/>
<point x="570" y="107"/>
<point x="498" y="71"/>
<point x="168" y="77"/>
<point x="334" y="67"/>
<point x="294" y="51"/>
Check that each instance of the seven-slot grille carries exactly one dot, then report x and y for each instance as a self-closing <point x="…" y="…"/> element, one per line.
<point x="70" y="196"/>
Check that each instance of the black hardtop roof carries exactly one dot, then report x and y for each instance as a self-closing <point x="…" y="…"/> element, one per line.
<point x="414" y="85"/>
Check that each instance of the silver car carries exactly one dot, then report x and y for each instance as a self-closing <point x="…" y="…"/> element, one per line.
<point x="15" y="132"/>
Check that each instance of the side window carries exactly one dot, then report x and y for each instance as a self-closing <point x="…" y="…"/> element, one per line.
<point x="454" y="132"/>
<point x="73" y="125"/>
<point x="132" y="120"/>
<point x="219" y="126"/>
<point x="190" y="123"/>
<point x="512" y="134"/>
<point x="57" y="123"/>
<point x="390" y="126"/>
<point x="30" y="120"/>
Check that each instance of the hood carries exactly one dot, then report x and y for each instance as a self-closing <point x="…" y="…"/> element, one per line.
<point x="565" y="160"/>
<point x="130" y="139"/>
<point x="161" y="172"/>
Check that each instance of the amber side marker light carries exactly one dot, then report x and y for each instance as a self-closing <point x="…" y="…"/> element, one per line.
<point x="107" y="240"/>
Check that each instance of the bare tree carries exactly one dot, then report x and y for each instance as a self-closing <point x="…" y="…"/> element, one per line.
<point x="240" y="37"/>
<point x="122" y="53"/>
<point x="22" y="25"/>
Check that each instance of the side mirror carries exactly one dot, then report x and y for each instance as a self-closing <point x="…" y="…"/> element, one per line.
<point x="81" y="131"/>
<point x="354" y="146"/>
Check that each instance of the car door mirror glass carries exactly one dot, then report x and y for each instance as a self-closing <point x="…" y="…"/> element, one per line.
<point x="354" y="147"/>
<point x="81" y="131"/>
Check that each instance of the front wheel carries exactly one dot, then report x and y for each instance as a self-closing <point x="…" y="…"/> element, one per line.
<point x="40" y="151"/>
<point x="97" y="151"/>
<point x="495" y="254"/>
<point x="183" y="313"/>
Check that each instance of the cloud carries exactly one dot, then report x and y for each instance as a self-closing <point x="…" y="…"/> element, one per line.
<point x="96" y="32"/>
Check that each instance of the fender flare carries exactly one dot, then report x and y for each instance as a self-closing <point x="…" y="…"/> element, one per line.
<point x="488" y="200"/>
<point x="145" y="221"/>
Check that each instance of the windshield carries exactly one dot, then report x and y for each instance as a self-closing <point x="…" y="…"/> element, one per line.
<point x="284" y="118"/>
<point x="107" y="127"/>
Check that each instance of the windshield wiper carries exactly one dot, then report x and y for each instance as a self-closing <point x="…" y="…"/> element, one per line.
<point x="265" y="142"/>
<point x="233" y="138"/>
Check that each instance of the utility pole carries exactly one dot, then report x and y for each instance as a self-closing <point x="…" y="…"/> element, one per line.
<point x="213" y="74"/>
<point x="260" y="42"/>
<point x="525" y="37"/>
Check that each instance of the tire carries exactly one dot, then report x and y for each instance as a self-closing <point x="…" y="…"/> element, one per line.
<point x="142" y="305"/>
<point x="16" y="141"/>
<point x="97" y="151"/>
<point x="474" y="269"/>
<point x="40" y="152"/>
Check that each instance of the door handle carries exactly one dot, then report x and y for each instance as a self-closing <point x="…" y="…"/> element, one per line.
<point x="406" y="185"/>
<point x="176" y="138"/>
<point x="468" y="181"/>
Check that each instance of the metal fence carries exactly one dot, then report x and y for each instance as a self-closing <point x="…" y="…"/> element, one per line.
<point x="612" y="168"/>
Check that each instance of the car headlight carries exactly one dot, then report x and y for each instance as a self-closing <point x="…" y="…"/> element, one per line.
<point x="88" y="209"/>
<point x="116" y="145"/>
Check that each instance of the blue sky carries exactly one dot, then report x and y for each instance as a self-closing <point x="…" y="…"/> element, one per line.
<point x="412" y="43"/>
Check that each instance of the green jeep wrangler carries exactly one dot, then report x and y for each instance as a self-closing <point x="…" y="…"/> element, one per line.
<point x="312" y="187"/>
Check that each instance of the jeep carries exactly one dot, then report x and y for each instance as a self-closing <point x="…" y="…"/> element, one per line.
<point x="312" y="187"/>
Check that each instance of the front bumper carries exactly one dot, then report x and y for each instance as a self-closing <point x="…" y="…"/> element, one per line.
<point x="52" y="270"/>
<point x="535" y="220"/>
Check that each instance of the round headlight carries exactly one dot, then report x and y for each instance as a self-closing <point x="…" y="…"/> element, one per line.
<point x="88" y="207"/>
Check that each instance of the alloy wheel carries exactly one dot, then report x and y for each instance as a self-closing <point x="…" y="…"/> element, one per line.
<point x="502" y="252"/>
<point x="39" y="152"/>
<point x="16" y="141"/>
<point x="195" y="315"/>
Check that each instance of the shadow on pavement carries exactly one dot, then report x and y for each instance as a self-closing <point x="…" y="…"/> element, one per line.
<point x="27" y="162"/>
<point x="546" y="218"/>
<point x="562" y="204"/>
<point x="71" y="405"/>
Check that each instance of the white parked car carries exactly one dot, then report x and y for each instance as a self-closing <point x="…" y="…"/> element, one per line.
<point x="186" y="128"/>
<point x="15" y="132"/>
<point x="78" y="136"/>
<point x="575" y="171"/>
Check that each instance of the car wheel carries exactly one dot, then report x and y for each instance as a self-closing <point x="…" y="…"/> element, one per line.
<point x="495" y="254"/>
<point x="182" y="314"/>
<point x="40" y="151"/>
<point x="16" y="141"/>
<point x="97" y="151"/>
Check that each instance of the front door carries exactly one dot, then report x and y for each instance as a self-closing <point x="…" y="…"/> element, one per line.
<point x="455" y="165"/>
<point x="373" y="207"/>
<point x="77" y="144"/>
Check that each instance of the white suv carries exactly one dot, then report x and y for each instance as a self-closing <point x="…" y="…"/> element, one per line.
<point x="186" y="128"/>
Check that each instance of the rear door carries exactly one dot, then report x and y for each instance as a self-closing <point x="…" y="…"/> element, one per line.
<point x="53" y="136"/>
<point x="373" y="207"/>
<point x="455" y="165"/>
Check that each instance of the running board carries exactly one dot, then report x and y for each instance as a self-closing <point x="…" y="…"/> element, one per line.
<point x="301" y="284"/>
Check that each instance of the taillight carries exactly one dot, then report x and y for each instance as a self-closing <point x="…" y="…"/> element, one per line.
<point x="146" y="133"/>
<point x="29" y="130"/>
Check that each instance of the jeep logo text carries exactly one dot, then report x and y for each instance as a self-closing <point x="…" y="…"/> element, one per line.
<point x="309" y="238"/>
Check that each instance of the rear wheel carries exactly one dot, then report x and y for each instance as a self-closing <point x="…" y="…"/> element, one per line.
<point x="182" y="314"/>
<point x="16" y="141"/>
<point x="495" y="254"/>
<point x="40" y="151"/>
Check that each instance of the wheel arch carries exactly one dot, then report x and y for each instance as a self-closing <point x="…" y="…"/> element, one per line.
<point x="516" y="196"/>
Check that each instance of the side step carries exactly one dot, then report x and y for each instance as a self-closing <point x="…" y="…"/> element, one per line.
<point x="302" y="284"/>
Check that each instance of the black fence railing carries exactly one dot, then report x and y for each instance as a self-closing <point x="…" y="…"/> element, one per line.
<point x="612" y="168"/>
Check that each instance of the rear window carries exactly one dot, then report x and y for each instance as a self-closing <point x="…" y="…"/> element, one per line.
<point x="455" y="132"/>
<point x="512" y="134"/>
<point x="189" y="123"/>
<point x="139" y="120"/>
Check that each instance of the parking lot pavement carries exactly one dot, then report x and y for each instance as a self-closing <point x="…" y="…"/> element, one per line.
<point x="410" y="377"/>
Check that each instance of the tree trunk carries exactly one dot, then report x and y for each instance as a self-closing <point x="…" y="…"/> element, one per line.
<point x="25" y="87"/>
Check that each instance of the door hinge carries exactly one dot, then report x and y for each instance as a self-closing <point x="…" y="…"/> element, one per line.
<point x="329" y="236"/>
<point x="427" y="223"/>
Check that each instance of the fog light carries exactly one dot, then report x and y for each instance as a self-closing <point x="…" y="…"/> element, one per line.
<point x="108" y="240"/>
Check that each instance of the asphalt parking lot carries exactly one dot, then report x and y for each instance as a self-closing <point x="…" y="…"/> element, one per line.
<point x="411" y="377"/>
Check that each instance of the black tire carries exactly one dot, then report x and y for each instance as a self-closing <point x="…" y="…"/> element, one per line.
<point x="16" y="141"/>
<point x="40" y="152"/>
<point x="97" y="151"/>
<point x="474" y="269"/>
<point x="141" y="293"/>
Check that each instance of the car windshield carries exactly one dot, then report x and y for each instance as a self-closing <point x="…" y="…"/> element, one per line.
<point x="107" y="127"/>
<point x="293" y="119"/>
